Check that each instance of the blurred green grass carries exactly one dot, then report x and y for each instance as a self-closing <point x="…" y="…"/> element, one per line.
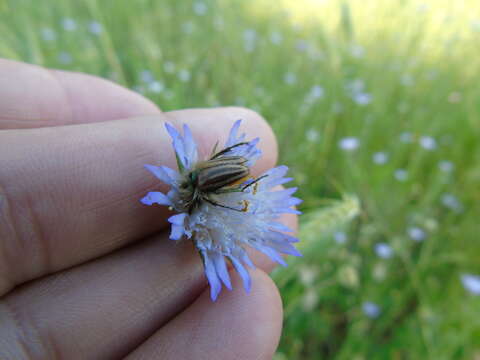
<point x="377" y="99"/>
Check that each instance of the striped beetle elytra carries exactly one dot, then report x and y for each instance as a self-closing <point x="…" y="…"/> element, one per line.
<point x="219" y="174"/>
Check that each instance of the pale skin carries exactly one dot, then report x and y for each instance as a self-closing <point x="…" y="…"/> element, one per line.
<point x="86" y="270"/>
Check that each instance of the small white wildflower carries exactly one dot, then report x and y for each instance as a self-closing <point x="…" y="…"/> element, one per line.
<point x="371" y="309"/>
<point x="471" y="283"/>
<point x="454" y="97"/>
<point x="383" y="250"/>
<point x="65" y="58"/>
<point x="156" y="87"/>
<point x="249" y="35"/>
<point x="446" y="166"/>
<point x="146" y="76"/>
<point x="416" y="233"/>
<point x="290" y="78"/>
<point x="349" y="143"/>
<point x="218" y="23"/>
<point x="184" y="75"/>
<point x="451" y="202"/>
<point x="95" y="27"/>
<point x="276" y="38"/>
<point x="406" y="137"/>
<point x="340" y="237"/>
<point x="48" y="34"/>
<point x="380" y="158"/>
<point x="309" y="300"/>
<point x="475" y="24"/>
<point x="249" y="39"/>
<point x="169" y="67"/>
<point x="200" y="8"/>
<point x="69" y="24"/>
<point x="315" y="54"/>
<point x="401" y="175"/>
<point x="363" y="98"/>
<point x="407" y="80"/>
<point x="428" y="143"/>
<point x="357" y="51"/>
<point x="302" y="45"/>
<point x="312" y="135"/>
<point x="337" y="108"/>
<point x="431" y="74"/>
<point x="316" y="92"/>
<point x="348" y="276"/>
<point x="422" y="8"/>
<point x="188" y="27"/>
<point x="379" y="272"/>
<point x="355" y="86"/>
<point x="308" y="275"/>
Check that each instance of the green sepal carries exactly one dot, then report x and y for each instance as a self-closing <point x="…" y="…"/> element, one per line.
<point x="179" y="163"/>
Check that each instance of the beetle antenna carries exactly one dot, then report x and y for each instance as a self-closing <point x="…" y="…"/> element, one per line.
<point x="227" y="150"/>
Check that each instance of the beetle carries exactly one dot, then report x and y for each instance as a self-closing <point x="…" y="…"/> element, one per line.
<point x="220" y="174"/>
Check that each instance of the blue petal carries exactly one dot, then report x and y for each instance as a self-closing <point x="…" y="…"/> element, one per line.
<point x="271" y="253"/>
<point x="189" y="146"/>
<point x="221" y="268"/>
<point x="178" y="144"/>
<point x="279" y="171"/>
<point x="178" y="226"/>
<point x="215" y="284"/>
<point x="279" y="181"/>
<point x="247" y="283"/>
<point x="156" y="197"/>
<point x="279" y="226"/>
<point x="167" y="175"/>
<point x="285" y="248"/>
<point x="247" y="260"/>
<point x="287" y="211"/>
<point x="232" y="138"/>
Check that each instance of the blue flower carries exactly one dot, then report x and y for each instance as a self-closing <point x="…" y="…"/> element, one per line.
<point x="471" y="283"/>
<point x="222" y="229"/>
<point x="371" y="309"/>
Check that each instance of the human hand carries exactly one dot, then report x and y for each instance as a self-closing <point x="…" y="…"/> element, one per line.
<point x="86" y="270"/>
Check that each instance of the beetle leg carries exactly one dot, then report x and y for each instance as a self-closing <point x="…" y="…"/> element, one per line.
<point x="227" y="191"/>
<point x="210" y="201"/>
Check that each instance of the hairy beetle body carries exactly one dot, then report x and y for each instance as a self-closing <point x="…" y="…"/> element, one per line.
<point x="219" y="174"/>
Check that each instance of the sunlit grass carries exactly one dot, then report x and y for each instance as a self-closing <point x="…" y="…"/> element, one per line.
<point x="373" y="98"/>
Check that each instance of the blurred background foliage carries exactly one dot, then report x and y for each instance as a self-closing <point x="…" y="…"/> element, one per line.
<point x="380" y="99"/>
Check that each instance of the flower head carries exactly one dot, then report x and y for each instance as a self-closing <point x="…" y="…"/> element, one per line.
<point x="224" y="214"/>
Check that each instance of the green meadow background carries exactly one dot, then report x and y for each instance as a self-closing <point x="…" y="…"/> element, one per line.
<point x="376" y="106"/>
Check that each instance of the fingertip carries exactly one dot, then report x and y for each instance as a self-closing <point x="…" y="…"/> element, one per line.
<point x="90" y="91"/>
<point x="247" y="325"/>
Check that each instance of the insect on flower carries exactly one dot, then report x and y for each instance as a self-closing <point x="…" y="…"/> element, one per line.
<point x="220" y="174"/>
<point x="222" y="208"/>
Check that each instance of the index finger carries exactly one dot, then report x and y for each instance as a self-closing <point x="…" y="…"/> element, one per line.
<point x="32" y="96"/>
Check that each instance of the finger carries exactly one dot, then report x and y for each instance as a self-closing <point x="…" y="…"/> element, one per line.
<point x="32" y="96"/>
<point x="107" y="307"/>
<point x="69" y="194"/>
<point x="241" y="326"/>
